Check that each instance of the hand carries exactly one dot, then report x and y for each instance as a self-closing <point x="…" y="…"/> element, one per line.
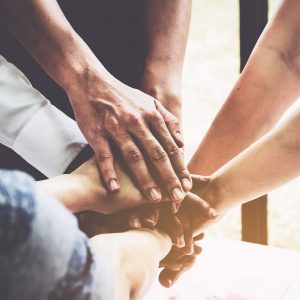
<point x="135" y="257"/>
<point x="83" y="190"/>
<point x="138" y="125"/>
<point x="165" y="89"/>
<point x="176" y="263"/>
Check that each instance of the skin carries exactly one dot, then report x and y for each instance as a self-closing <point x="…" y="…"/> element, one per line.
<point x="269" y="163"/>
<point x="106" y="110"/>
<point x="268" y="85"/>
<point x="135" y="256"/>
<point x="272" y="74"/>
<point x="167" y="26"/>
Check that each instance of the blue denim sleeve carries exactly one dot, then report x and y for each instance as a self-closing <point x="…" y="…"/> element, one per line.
<point x="43" y="254"/>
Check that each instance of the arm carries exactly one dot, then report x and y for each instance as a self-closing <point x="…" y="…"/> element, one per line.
<point x="268" y="85"/>
<point x="135" y="257"/>
<point x="269" y="163"/>
<point x="34" y="128"/>
<point x="105" y="109"/>
<point x="167" y="26"/>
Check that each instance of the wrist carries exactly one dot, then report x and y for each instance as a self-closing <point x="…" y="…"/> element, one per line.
<point x="215" y="194"/>
<point x="83" y="71"/>
<point x="165" y="88"/>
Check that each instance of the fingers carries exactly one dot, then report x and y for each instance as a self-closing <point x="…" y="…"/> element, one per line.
<point x="200" y="181"/>
<point x="199" y="237"/>
<point x="176" y="231"/>
<point x="168" y="277"/>
<point x="135" y="161"/>
<point x="173" y="151"/>
<point x="171" y="122"/>
<point x="144" y="216"/>
<point x="135" y="222"/>
<point x="161" y="163"/>
<point x="150" y="216"/>
<point x="197" y="205"/>
<point x="106" y="164"/>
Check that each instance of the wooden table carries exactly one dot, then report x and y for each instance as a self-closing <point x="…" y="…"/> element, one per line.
<point x="234" y="270"/>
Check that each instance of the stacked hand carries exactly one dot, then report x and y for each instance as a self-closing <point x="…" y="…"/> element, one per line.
<point x="144" y="132"/>
<point x="185" y="228"/>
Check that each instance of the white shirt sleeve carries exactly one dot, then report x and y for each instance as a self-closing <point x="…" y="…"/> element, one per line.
<point x="36" y="130"/>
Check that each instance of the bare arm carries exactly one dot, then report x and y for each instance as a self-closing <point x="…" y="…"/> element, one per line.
<point x="135" y="257"/>
<point x="266" y="165"/>
<point x="268" y="85"/>
<point x="167" y="27"/>
<point x="105" y="109"/>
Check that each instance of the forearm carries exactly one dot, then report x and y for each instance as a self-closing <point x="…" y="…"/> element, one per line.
<point x="48" y="36"/>
<point x="135" y="256"/>
<point x="268" y="85"/>
<point x="167" y="25"/>
<point x="266" y="165"/>
<point x="72" y="192"/>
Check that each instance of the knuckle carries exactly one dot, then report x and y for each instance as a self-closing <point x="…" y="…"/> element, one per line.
<point x="94" y="130"/>
<point x="173" y="122"/>
<point x="133" y="155"/>
<point x="154" y="116"/>
<point x="108" y="173"/>
<point x="104" y="156"/>
<point x="133" y="120"/>
<point x="183" y="172"/>
<point x="172" y="149"/>
<point x="146" y="181"/>
<point x="158" y="154"/>
<point x="112" y="124"/>
<point x="173" y="182"/>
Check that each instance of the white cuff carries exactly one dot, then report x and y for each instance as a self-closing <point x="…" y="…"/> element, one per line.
<point x="49" y="141"/>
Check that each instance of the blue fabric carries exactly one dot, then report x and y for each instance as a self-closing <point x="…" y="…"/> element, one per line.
<point x="77" y="282"/>
<point x="43" y="254"/>
<point x="17" y="210"/>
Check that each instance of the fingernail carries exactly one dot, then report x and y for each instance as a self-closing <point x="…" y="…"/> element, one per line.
<point x="213" y="213"/>
<point x="178" y="195"/>
<point x="187" y="184"/>
<point x="136" y="223"/>
<point x="113" y="185"/>
<point x="150" y="222"/>
<point x="155" y="194"/>
<point x="169" y="282"/>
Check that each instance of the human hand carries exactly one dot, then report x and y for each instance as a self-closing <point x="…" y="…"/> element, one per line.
<point x="83" y="190"/>
<point x="134" y="256"/>
<point x="141" y="128"/>
<point x="165" y="88"/>
<point x="177" y="262"/>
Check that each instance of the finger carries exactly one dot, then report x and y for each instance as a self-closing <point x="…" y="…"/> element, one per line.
<point x="171" y="122"/>
<point x="106" y="164"/>
<point x="134" y="222"/>
<point x="199" y="237"/>
<point x="197" y="249"/>
<point x="177" y="231"/>
<point x="150" y="216"/>
<point x="189" y="244"/>
<point x="173" y="257"/>
<point x="174" y="152"/>
<point x="197" y="205"/>
<point x="200" y="181"/>
<point x="135" y="161"/>
<point x="160" y="161"/>
<point x="168" y="277"/>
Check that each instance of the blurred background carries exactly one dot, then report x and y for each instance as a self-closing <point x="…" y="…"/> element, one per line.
<point x="211" y="68"/>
